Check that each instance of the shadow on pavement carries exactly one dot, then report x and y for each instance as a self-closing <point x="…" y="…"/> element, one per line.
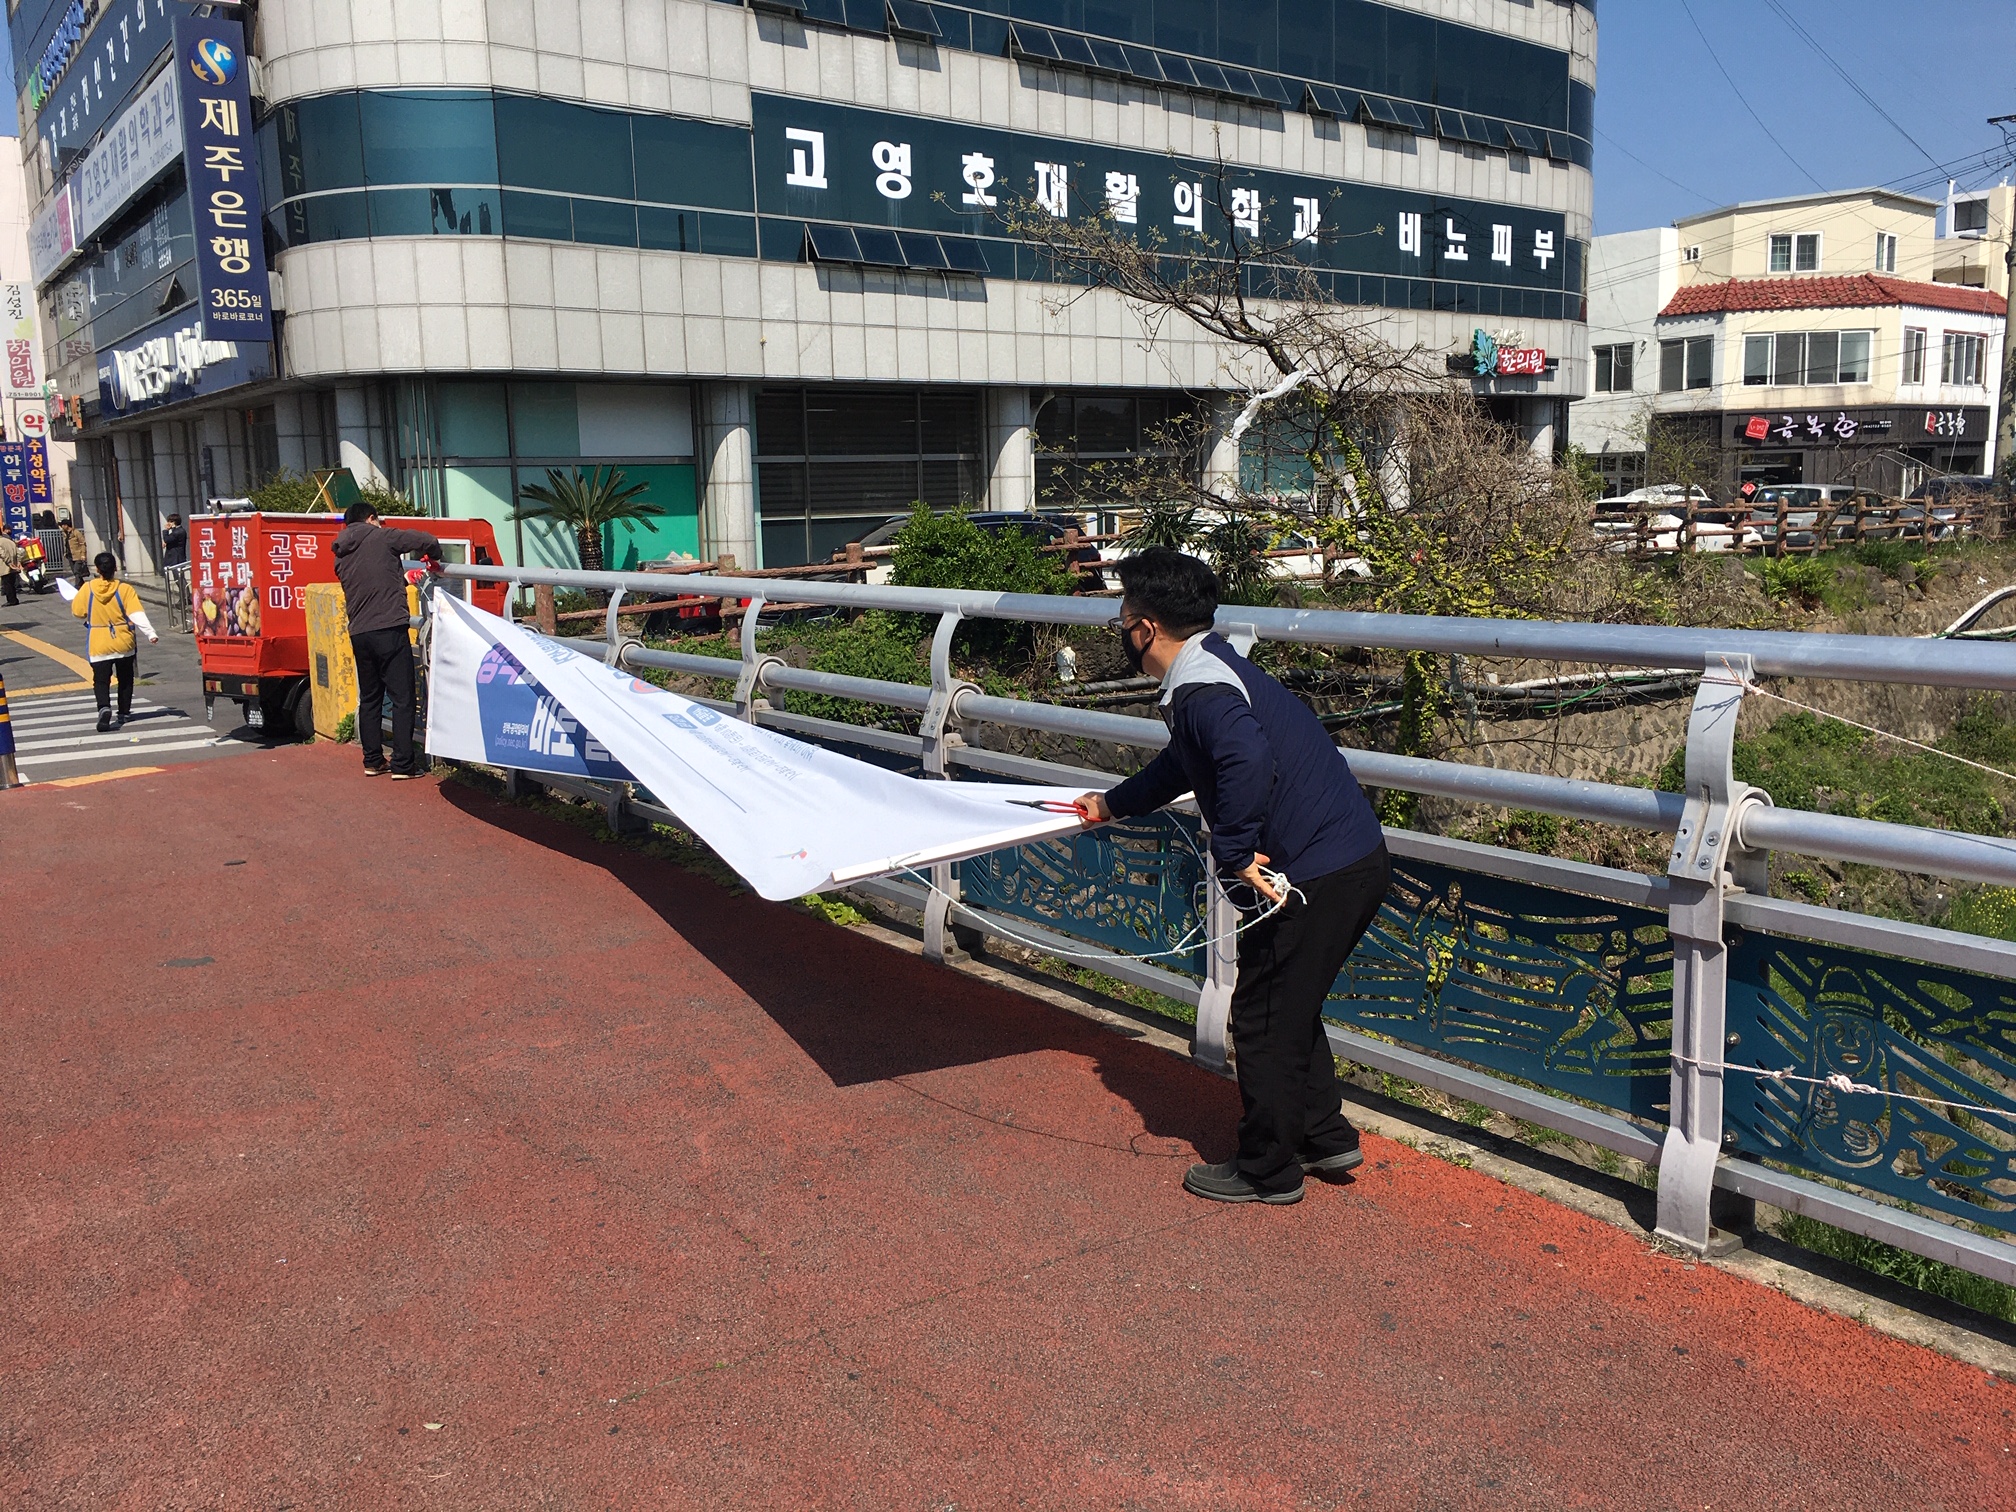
<point x="863" y="1012"/>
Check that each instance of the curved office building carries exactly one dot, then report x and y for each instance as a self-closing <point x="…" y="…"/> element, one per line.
<point x="760" y="257"/>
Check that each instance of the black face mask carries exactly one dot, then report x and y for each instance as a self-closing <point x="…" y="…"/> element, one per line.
<point x="1136" y="655"/>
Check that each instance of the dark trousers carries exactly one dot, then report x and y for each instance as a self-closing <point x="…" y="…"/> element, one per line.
<point x="384" y="667"/>
<point x="10" y="585"/>
<point x="1288" y="1087"/>
<point x="101" y="684"/>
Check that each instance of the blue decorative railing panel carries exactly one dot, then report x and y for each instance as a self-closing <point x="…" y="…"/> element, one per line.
<point x="1132" y="887"/>
<point x="1821" y="1011"/>
<point x="1571" y="993"/>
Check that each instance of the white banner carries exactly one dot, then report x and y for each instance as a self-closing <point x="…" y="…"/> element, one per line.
<point x="791" y="818"/>
<point x="136" y="148"/>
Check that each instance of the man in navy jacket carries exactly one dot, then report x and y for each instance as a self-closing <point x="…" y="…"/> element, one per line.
<point x="1279" y="795"/>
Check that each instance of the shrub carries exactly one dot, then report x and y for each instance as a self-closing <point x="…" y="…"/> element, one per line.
<point x="950" y="551"/>
<point x="881" y="646"/>
<point x="1806" y="579"/>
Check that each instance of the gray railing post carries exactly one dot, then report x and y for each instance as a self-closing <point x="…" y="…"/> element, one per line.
<point x="936" y="728"/>
<point x="1703" y="852"/>
<point x="612" y="629"/>
<point x="1221" y="972"/>
<point x="749" y="686"/>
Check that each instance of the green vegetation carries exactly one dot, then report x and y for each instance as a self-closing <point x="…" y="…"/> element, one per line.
<point x="833" y="910"/>
<point x="346" y="728"/>
<point x="1930" y="1276"/>
<point x="1807" y="761"/>
<point x="1985" y="911"/>
<point x="286" y="492"/>
<point x="585" y="503"/>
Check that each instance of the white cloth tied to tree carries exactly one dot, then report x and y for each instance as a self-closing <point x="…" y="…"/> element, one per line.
<point x="791" y="818"/>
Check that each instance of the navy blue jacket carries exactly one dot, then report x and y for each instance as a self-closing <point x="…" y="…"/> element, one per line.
<point x="1266" y="774"/>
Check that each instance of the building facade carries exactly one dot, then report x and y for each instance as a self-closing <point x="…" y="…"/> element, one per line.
<point x="1802" y="340"/>
<point x="763" y="258"/>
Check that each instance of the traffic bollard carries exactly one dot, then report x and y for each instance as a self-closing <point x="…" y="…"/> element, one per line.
<point x="10" y="775"/>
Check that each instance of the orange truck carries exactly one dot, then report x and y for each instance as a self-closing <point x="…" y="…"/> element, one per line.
<point x="248" y="580"/>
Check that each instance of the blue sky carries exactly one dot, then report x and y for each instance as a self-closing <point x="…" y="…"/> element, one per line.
<point x="1673" y="137"/>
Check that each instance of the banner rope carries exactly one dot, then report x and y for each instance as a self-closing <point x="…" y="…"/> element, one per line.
<point x="1841" y="1083"/>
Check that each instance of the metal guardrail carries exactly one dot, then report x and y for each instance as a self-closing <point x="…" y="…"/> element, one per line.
<point x="1598" y="1002"/>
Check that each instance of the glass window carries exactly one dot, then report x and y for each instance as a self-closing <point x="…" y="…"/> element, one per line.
<point x="1756" y="361"/>
<point x="1672" y="366"/>
<point x="606" y="224"/>
<point x="1305" y="48"/>
<point x="840" y="422"/>
<point x="544" y="216"/>
<point x="1189" y="26"/>
<point x="1604" y="369"/>
<point x="435" y="212"/>
<point x="554" y="144"/>
<point x="1781" y="254"/>
<point x="326" y="217"/>
<point x="1960" y="360"/>
<point x="1886" y="252"/>
<point x="320" y="145"/>
<point x="668" y="230"/>
<point x="1855" y="349"/>
<point x="1914" y="356"/>
<point x="1806" y="253"/>
<point x="1788" y="370"/>
<point x="692" y="163"/>
<point x="728" y="235"/>
<point x="544" y="420"/>
<point x="1823" y="356"/>
<point x="1701" y="362"/>
<point x="448" y="137"/>
<point x="1970" y="215"/>
<point x="471" y="420"/>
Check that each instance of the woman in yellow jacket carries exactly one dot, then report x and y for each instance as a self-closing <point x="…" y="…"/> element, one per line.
<point x="111" y="610"/>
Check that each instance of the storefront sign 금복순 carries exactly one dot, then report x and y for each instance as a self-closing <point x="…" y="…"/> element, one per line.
<point x="144" y="142"/>
<point x="222" y="164"/>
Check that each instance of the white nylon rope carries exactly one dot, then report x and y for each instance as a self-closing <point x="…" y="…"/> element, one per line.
<point x="1841" y="1083"/>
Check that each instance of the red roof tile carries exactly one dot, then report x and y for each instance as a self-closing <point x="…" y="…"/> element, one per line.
<point x="1858" y="291"/>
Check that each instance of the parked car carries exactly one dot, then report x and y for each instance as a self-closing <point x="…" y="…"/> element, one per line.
<point x="1798" y="507"/>
<point x="1647" y="519"/>
<point x="1048" y="529"/>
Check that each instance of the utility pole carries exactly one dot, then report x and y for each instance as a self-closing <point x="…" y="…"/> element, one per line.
<point x="2004" y="462"/>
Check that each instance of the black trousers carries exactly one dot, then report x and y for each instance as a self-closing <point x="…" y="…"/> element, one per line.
<point x="10" y="585"/>
<point x="384" y="667"/>
<point x="1288" y="1088"/>
<point x="101" y="683"/>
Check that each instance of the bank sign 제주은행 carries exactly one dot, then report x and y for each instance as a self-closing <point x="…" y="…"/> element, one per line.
<point x="222" y="163"/>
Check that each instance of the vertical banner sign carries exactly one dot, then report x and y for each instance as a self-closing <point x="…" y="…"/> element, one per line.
<point x="17" y="320"/>
<point x="37" y="453"/>
<point x="222" y="164"/>
<point x="14" y="488"/>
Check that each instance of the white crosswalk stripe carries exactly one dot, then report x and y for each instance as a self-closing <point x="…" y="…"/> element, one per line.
<point x="66" y="731"/>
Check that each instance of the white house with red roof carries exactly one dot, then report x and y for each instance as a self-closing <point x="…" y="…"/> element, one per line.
<point x="1804" y="339"/>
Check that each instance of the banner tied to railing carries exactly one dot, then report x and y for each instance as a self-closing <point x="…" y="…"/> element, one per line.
<point x="791" y="818"/>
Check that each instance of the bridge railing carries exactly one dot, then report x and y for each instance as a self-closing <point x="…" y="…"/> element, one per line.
<point x="1878" y="1081"/>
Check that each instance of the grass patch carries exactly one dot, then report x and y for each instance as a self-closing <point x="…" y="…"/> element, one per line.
<point x="833" y="910"/>
<point x="1930" y="1276"/>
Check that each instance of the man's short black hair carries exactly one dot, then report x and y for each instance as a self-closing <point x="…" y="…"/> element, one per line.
<point x="107" y="565"/>
<point x="1177" y="591"/>
<point x="359" y="511"/>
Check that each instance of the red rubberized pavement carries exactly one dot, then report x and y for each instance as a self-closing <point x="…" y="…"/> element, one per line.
<point x="480" y="1165"/>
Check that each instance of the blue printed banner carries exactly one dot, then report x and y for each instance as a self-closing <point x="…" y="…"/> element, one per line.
<point x="222" y="164"/>
<point x="37" y="462"/>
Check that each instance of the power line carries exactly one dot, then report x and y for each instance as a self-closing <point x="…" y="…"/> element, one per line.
<point x="1605" y="136"/>
<point x="1742" y="99"/>
<point x="1868" y="99"/>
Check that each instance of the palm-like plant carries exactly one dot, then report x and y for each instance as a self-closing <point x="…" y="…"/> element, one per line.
<point x="584" y="503"/>
<point x="1164" y="523"/>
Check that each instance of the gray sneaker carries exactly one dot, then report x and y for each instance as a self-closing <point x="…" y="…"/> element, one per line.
<point x="1227" y="1183"/>
<point x="1333" y="1165"/>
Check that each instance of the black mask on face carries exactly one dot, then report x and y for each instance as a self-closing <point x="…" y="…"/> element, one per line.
<point x="1136" y="655"/>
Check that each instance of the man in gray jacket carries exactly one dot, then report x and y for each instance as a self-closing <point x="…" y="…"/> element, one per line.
<point x="368" y="566"/>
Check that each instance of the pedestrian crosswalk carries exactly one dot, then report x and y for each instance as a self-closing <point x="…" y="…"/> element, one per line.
<point x="62" y="731"/>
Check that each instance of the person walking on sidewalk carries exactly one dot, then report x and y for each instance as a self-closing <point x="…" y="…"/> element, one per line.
<point x="374" y="595"/>
<point x="10" y="570"/>
<point x="111" y="612"/>
<point x="1289" y="822"/>
<point x="77" y="549"/>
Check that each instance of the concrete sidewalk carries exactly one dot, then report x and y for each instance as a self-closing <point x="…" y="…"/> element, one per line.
<point x="389" y="1147"/>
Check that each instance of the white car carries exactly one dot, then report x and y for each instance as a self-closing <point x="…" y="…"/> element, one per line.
<point x="1618" y="522"/>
